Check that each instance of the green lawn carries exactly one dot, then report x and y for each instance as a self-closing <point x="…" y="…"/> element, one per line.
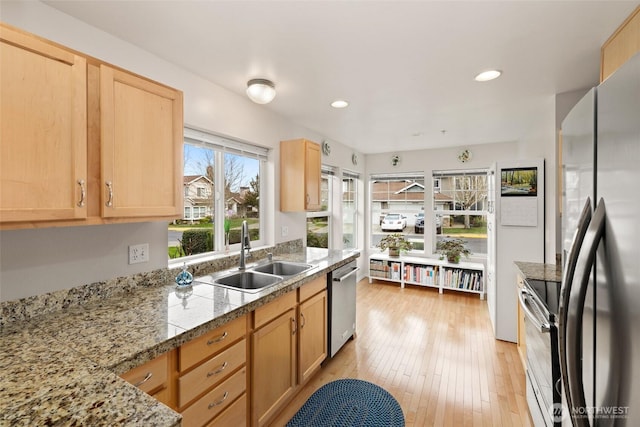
<point x="235" y="224"/>
<point x="479" y="231"/>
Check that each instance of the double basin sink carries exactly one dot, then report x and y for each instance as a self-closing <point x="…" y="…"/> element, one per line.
<point x="259" y="277"/>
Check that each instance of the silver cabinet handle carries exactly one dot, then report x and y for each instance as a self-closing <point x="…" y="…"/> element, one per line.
<point x="219" y="402"/>
<point x="573" y="340"/>
<point x="145" y="379"/>
<point x="303" y="320"/>
<point x="109" y="185"/>
<point x="83" y="192"/>
<point x="220" y="338"/>
<point x="565" y="291"/>
<point x="217" y="371"/>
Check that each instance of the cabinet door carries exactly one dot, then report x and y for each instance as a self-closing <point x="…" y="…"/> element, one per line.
<point x="141" y="146"/>
<point x="273" y="367"/>
<point x="313" y="176"/>
<point x="312" y="338"/>
<point x="43" y="130"/>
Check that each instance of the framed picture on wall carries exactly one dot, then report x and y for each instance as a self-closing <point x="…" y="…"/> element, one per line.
<point x="518" y="182"/>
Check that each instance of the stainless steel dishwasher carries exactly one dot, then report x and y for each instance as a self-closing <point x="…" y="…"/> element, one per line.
<point x="342" y="306"/>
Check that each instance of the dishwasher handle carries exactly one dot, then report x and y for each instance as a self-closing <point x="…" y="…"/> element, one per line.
<point x="343" y="277"/>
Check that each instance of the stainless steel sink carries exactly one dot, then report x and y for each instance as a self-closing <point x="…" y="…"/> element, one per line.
<point x="249" y="281"/>
<point x="283" y="268"/>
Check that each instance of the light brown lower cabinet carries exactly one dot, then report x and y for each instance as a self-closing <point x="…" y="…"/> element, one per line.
<point x="244" y="372"/>
<point x="288" y="345"/>
<point x="521" y="344"/>
<point x="274" y="358"/>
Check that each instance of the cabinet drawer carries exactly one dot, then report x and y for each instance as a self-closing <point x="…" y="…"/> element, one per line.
<point x="275" y="308"/>
<point x="216" y="401"/>
<point x="308" y="290"/>
<point x="149" y="376"/>
<point x="235" y="415"/>
<point x="211" y="372"/>
<point x="199" y="349"/>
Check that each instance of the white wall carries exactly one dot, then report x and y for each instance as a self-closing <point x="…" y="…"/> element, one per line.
<point x="53" y="254"/>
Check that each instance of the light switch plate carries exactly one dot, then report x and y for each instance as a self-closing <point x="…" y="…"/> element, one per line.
<point x="139" y="253"/>
<point x="284" y="231"/>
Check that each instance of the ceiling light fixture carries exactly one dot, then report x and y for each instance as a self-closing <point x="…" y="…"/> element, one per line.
<point x="339" y="103"/>
<point x="261" y="91"/>
<point x="485" y="76"/>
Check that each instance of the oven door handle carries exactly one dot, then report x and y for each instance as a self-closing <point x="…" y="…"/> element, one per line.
<point x="542" y="326"/>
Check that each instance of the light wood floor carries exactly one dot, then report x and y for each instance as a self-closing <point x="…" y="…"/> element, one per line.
<point x="434" y="353"/>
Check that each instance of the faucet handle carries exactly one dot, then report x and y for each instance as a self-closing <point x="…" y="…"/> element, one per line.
<point x="270" y="256"/>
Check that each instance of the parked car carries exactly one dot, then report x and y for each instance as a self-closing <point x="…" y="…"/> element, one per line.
<point x="419" y="227"/>
<point x="394" y="222"/>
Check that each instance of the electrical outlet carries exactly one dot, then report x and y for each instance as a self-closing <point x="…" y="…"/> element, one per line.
<point x="285" y="231"/>
<point x="139" y="253"/>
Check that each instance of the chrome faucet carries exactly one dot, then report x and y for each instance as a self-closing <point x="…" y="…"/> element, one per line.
<point x="245" y="242"/>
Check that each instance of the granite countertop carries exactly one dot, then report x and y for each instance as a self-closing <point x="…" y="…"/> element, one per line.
<point x="539" y="271"/>
<point x="63" y="368"/>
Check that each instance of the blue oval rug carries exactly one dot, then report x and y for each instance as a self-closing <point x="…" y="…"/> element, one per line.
<point x="349" y="403"/>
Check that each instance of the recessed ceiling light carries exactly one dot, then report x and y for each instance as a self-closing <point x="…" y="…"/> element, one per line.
<point x="339" y="103"/>
<point x="485" y="76"/>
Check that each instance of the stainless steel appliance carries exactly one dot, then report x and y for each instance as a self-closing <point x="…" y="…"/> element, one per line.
<point x="539" y="301"/>
<point x="342" y="306"/>
<point x="599" y="316"/>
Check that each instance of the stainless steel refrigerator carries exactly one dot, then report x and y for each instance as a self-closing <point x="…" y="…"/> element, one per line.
<point x="599" y="319"/>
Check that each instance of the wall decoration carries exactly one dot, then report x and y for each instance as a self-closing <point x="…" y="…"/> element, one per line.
<point x="326" y="148"/>
<point x="395" y="160"/>
<point x="464" y="156"/>
<point x="519" y="182"/>
<point x="354" y="159"/>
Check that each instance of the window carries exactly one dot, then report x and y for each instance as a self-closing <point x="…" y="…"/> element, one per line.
<point x="461" y="207"/>
<point x="349" y="210"/>
<point x="397" y="200"/>
<point x="222" y="189"/>
<point x="319" y="223"/>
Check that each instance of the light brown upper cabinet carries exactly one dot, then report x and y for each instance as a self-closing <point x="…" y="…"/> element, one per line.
<point x="83" y="142"/>
<point x="622" y="45"/>
<point x="300" y="176"/>
<point x="43" y="130"/>
<point x="141" y="146"/>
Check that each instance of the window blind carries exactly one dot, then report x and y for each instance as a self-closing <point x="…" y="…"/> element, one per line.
<point x="227" y="145"/>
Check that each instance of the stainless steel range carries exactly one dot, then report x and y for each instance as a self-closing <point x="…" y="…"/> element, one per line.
<point x="539" y="300"/>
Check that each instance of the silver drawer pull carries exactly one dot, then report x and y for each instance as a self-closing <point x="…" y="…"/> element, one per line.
<point x="145" y="379"/>
<point x="220" y="338"/>
<point x="219" y="402"/>
<point x="217" y="371"/>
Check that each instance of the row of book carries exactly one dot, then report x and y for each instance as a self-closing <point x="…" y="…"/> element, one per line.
<point x="378" y="268"/>
<point x="462" y="279"/>
<point x="423" y="274"/>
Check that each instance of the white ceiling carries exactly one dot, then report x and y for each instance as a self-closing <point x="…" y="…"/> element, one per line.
<point x="406" y="68"/>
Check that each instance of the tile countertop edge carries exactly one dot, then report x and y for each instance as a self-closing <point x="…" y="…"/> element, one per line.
<point x="325" y="261"/>
<point x="539" y="271"/>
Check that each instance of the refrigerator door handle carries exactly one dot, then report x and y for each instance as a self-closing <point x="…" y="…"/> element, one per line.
<point x="575" y="308"/>
<point x="565" y="291"/>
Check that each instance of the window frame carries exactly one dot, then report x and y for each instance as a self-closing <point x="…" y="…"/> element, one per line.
<point x="456" y="173"/>
<point x="355" y="178"/>
<point x="329" y="173"/>
<point x="220" y="146"/>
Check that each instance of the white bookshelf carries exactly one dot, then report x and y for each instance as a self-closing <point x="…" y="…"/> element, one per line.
<point x="428" y="272"/>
